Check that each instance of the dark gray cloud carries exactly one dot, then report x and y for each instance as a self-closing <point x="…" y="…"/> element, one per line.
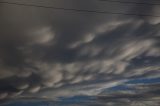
<point x="65" y="53"/>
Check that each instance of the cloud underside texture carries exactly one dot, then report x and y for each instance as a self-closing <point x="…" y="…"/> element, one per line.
<point x="67" y="53"/>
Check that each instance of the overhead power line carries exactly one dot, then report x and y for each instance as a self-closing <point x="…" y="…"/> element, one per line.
<point x="81" y="10"/>
<point x="130" y="2"/>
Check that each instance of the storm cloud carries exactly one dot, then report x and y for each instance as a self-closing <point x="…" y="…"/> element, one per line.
<point x="52" y="53"/>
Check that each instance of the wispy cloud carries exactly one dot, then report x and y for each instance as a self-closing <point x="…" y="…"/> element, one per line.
<point x="56" y="58"/>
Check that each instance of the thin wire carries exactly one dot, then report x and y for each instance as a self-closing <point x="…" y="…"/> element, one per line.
<point x="130" y="2"/>
<point x="81" y="10"/>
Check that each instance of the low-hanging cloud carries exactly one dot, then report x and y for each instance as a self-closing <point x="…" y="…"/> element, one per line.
<point x="55" y="61"/>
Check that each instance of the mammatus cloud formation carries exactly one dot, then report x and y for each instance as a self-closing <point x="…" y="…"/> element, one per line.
<point x="80" y="56"/>
<point x="129" y="93"/>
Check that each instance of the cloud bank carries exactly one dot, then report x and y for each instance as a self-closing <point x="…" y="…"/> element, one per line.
<point x="74" y="54"/>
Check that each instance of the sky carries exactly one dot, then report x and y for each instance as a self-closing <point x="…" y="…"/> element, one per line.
<point x="104" y="52"/>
